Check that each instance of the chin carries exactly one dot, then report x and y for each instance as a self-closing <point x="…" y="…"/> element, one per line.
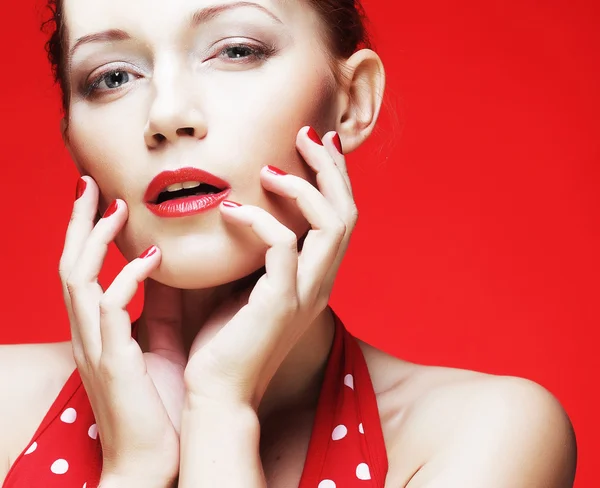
<point x="200" y="279"/>
<point x="204" y="270"/>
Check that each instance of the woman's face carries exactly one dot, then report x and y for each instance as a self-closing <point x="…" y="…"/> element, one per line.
<point x="223" y="86"/>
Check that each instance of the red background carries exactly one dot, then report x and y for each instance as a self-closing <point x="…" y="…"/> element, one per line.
<point x="477" y="245"/>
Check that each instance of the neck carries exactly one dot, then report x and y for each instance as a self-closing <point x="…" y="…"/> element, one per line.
<point x="296" y="384"/>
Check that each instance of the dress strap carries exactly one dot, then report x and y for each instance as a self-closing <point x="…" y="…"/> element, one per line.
<point x="346" y="448"/>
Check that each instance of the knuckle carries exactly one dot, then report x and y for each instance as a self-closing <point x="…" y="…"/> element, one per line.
<point x="289" y="240"/>
<point x="72" y="283"/>
<point x="108" y="303"/>
<point x="106" y="306"/>
<point x="339" y="228"/>
<point x="353" y="214"/>
<point x="64" y="270"/>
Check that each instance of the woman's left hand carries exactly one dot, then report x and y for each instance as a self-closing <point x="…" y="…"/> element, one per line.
<point x="254" y="335"/>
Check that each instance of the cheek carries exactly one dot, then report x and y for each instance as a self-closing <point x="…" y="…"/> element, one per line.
<point x="260" y="124"/>
<point x="308" y="101"/>
<point x="103" y="152"/>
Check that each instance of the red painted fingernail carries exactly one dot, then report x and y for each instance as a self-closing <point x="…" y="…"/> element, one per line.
<point x="312" y="134"/>
<point x="81" y="184"/>
<point x="229" y="203"/>
<point x="275" y="171"/>
<point x="148" y="252"/>
<point x="111" y="209"/>
<point x="337" y="142"/>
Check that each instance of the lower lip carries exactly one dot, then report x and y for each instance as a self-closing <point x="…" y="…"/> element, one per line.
<point x="192" y="205"/>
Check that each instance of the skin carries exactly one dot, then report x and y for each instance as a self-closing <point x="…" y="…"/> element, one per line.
<point x="435" y="420"/>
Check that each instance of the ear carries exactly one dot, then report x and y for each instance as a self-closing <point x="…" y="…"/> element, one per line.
<point x="361" y="96"/>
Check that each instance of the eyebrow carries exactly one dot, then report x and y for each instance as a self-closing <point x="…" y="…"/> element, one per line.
<point x="204" y="15"/>
<point x="197" y="18"/>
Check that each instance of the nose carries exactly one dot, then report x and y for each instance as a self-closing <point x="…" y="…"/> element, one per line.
<point x="173" y="115"/>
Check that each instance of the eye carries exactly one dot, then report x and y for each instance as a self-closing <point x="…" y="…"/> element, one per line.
<point x="108" y="81"/>
<point x="240" y="52"/>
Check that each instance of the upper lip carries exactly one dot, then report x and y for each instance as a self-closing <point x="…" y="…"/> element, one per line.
<point x="160" y="182"/>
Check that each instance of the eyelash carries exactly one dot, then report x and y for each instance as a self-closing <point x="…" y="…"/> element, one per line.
<point x="257" y="52"/>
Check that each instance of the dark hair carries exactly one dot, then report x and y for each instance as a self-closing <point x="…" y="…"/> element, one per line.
<point x="344" y="22"/>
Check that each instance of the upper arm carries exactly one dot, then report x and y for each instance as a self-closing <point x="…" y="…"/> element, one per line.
<point x="516" y="435"/>
<point x="31" y="377"/>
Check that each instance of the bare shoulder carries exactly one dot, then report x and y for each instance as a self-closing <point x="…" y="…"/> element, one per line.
<point x="450" y="427"/>
<point x="32" y="376"/>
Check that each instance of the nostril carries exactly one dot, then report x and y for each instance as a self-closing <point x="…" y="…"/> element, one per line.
<point x="159" y="138"/>
<point x="187" y="131"/>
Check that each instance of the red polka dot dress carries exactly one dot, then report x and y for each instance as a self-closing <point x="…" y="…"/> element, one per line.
<point x="346" y="449"/>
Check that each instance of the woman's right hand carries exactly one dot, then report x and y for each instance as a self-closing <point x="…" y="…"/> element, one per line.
<point x="135" y="396"/>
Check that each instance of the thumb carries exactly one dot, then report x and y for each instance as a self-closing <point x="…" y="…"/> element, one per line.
<point x="163" y="318"/>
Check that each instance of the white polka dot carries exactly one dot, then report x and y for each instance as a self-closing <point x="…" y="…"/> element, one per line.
<point x="60" y="466"/>
<point x="84" y="485"/>
<point x="93" y="431"/>
<point x="349" y="381"/>
<point x="69" y="416"/>
<point x="360" y="428"/>
<point x="339" y="432"/>
<point x="326" y="484"/>
<point x="362" y="472"/>
<point x="32" y="448"/>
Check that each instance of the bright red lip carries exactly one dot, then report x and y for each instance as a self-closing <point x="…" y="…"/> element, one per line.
<point x="166" y="178"/>
<point x="182" y="207"/>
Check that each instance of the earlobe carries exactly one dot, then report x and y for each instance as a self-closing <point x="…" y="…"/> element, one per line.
<point x="363" y="96"/>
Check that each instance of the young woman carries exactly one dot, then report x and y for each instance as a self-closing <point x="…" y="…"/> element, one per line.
<point x="210" y="135"/>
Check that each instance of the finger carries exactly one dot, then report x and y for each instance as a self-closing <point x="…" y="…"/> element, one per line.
<point x="329" y="178"/>
<point x="327" y="229"/>
<point x="83" y="286"/>
<point x="333" y="144"/>
<point x="115" y="322"/>
<point x="80" y="225"/>
<point x="281" y="258"/>
<point x="162" y="317"/>
<point x="79" y="228"/>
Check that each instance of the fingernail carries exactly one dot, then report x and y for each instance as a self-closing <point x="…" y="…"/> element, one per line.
<point x="275" y="171"/>
<point x="229" y="203"/>
<point x="148" y="252"/>
<point x="337" y="142"/>
<point x="81" y="184"/>
<point x="312" y="134"/>
<point x="111" y="209"/>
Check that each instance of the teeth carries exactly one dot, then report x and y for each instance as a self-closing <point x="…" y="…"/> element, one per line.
<point x="181" y="186"/>
<point x="191" y="184"/>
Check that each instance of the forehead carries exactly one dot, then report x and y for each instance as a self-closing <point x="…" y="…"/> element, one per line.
<point x="84" y="17"/>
